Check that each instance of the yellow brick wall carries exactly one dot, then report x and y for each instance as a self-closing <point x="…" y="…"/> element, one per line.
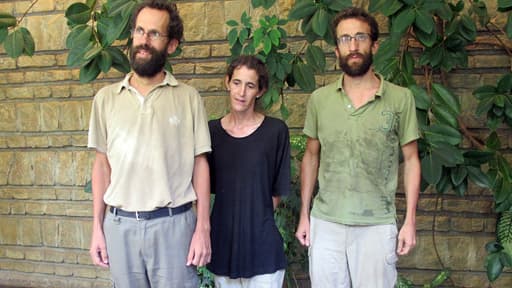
<point x="45" y="221"/>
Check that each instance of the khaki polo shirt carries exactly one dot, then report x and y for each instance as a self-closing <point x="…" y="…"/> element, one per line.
<point x="150" y="144"/>
<point x="359" y="152"/>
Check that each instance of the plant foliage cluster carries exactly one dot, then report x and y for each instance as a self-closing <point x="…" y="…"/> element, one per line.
<point x="427" y="39"/>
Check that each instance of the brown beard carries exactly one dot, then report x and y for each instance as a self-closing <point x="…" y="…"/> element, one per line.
<point x="359" y="69"/>
<point x="150" y="67"/>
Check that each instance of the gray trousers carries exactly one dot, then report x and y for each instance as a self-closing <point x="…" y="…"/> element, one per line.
<point x="150" y="253"/>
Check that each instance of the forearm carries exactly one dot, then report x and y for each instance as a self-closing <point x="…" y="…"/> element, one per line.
<point x="308" y="176"/>
<point x="201" y="183"/>
<point x="100" y="182"/>
<point x="412" y="178"/>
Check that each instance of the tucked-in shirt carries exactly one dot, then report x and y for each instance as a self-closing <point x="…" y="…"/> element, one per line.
<point x="245" y="173"/>
<point x="360" y="148"/>
<point x="150" y="144"/>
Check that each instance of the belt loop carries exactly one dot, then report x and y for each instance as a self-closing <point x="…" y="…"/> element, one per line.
<point x="137" y="216"/>
<point x="115" y="211"/>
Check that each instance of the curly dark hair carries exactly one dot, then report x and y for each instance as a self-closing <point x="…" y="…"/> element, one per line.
<point x="359" y="14"/>
<point x="253" y="63"/>
<point x="175" y="28"/>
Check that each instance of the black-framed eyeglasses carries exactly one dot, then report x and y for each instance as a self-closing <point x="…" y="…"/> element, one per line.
<point x="152" y="34"/>
<point x="359" y="37"/>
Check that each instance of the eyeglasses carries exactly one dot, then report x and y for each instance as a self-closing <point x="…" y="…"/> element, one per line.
<point x="359" y="37"/>
<point x="152" y="34"/>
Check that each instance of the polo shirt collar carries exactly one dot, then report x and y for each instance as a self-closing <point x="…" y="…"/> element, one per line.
<point x="380" y="92"/>
<point x="169" y="80"/>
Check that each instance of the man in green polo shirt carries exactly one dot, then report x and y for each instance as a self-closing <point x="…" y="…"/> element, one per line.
<point x="356" y="128"/>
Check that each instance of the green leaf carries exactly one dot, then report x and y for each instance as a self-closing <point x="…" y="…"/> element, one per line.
<point x="427" y="39"/>
<point x="493" y="266"/>
<point x="320" y="22"/>
<point x="444" y="184"/>
<point x="445" y="115"/>
<point x="80" y="36"/>
<point x="119" y="60"/>
<point x="448" y="155"/>
<point x="493" y="141"/>
<point x="508" y="26"/>
<point x="493" y="247"/>
<point x="88" y="187"/>
<point x="431" y="169"/>
<point x="28" y="42"/>
<point x="76" y="55"/>
<point x="501" y="190"/>
<point x="440" y="133"/>
<point x="275" y="37"/>
<point x="387" y="49"/>
<point x="243" y="35"/>
<point x="421" y="97"/>
<point x="89" y="71"/>
<point x="302" y="9"/>
<point x="486" y="91"/>
<point x="267" y="45"/>
<point x="14" y="44"/>
<point x="444" y="96"/>
<point x="92" y="53"/>
<point x="458" y="174"/>
<point x="3" y="34"/>
<point x="232" y="36"/>
<point x="504" y="5"/>
<point x="468" y="28"/>
<point x="505" y="83"/>
<point x="387" y="7"/>
<point x="111" y="28"/>
<point x="424" y="21"/>
<point x="477" y="157"/>
<point x="316" y="58"/>
<point x="478" y="177"/>
<point x="78" y="13"/>
<point x="123" y="7"/>
<point x="232" y="23"/>
<point x="339" y="5"/>
<point x="7" y="20"/>
<point x="403" y="20"/>
<point x="440" y="278"/>
<point x="284" y="111"/>
<point x="304" y="76"/>
<point x="104" y="61"/>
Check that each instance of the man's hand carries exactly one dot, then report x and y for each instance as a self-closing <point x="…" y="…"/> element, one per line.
<point x="200" y="251"/>
<point x="98" y="250"/>
<point x="406" y="239"/>
<point x="302" y="233"/>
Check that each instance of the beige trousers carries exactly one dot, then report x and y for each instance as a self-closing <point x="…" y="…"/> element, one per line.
<point x="344" y="256"/>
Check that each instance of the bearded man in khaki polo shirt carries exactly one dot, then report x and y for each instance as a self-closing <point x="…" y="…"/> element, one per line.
<point x="150" y="134"/>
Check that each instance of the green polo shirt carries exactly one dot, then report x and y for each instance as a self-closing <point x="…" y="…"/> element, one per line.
<point x="358" y="171"/>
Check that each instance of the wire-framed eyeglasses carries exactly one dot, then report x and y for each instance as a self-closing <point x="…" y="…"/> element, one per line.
<point x="359" y="37"/>
<point x="152" y="34"/>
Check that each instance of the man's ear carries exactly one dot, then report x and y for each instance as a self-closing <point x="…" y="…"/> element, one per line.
<point x="375" y="47"/>
<point x="172" y="46"/>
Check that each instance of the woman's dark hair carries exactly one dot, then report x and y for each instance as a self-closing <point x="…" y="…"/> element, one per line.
<point x="253" y="63"/>
<point x="359" y="14"/>
<point x="175" y="27"/>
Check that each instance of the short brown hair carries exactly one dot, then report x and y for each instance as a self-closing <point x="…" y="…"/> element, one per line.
<point x="359" y="14"/>
<point x="175" y="27"/>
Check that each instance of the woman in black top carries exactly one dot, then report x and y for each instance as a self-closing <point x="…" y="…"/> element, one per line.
<point x="250" y="171"/>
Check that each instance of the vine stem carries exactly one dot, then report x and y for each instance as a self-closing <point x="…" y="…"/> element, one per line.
<point x="26" y="12"/>
<point x="434" y="244"/>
